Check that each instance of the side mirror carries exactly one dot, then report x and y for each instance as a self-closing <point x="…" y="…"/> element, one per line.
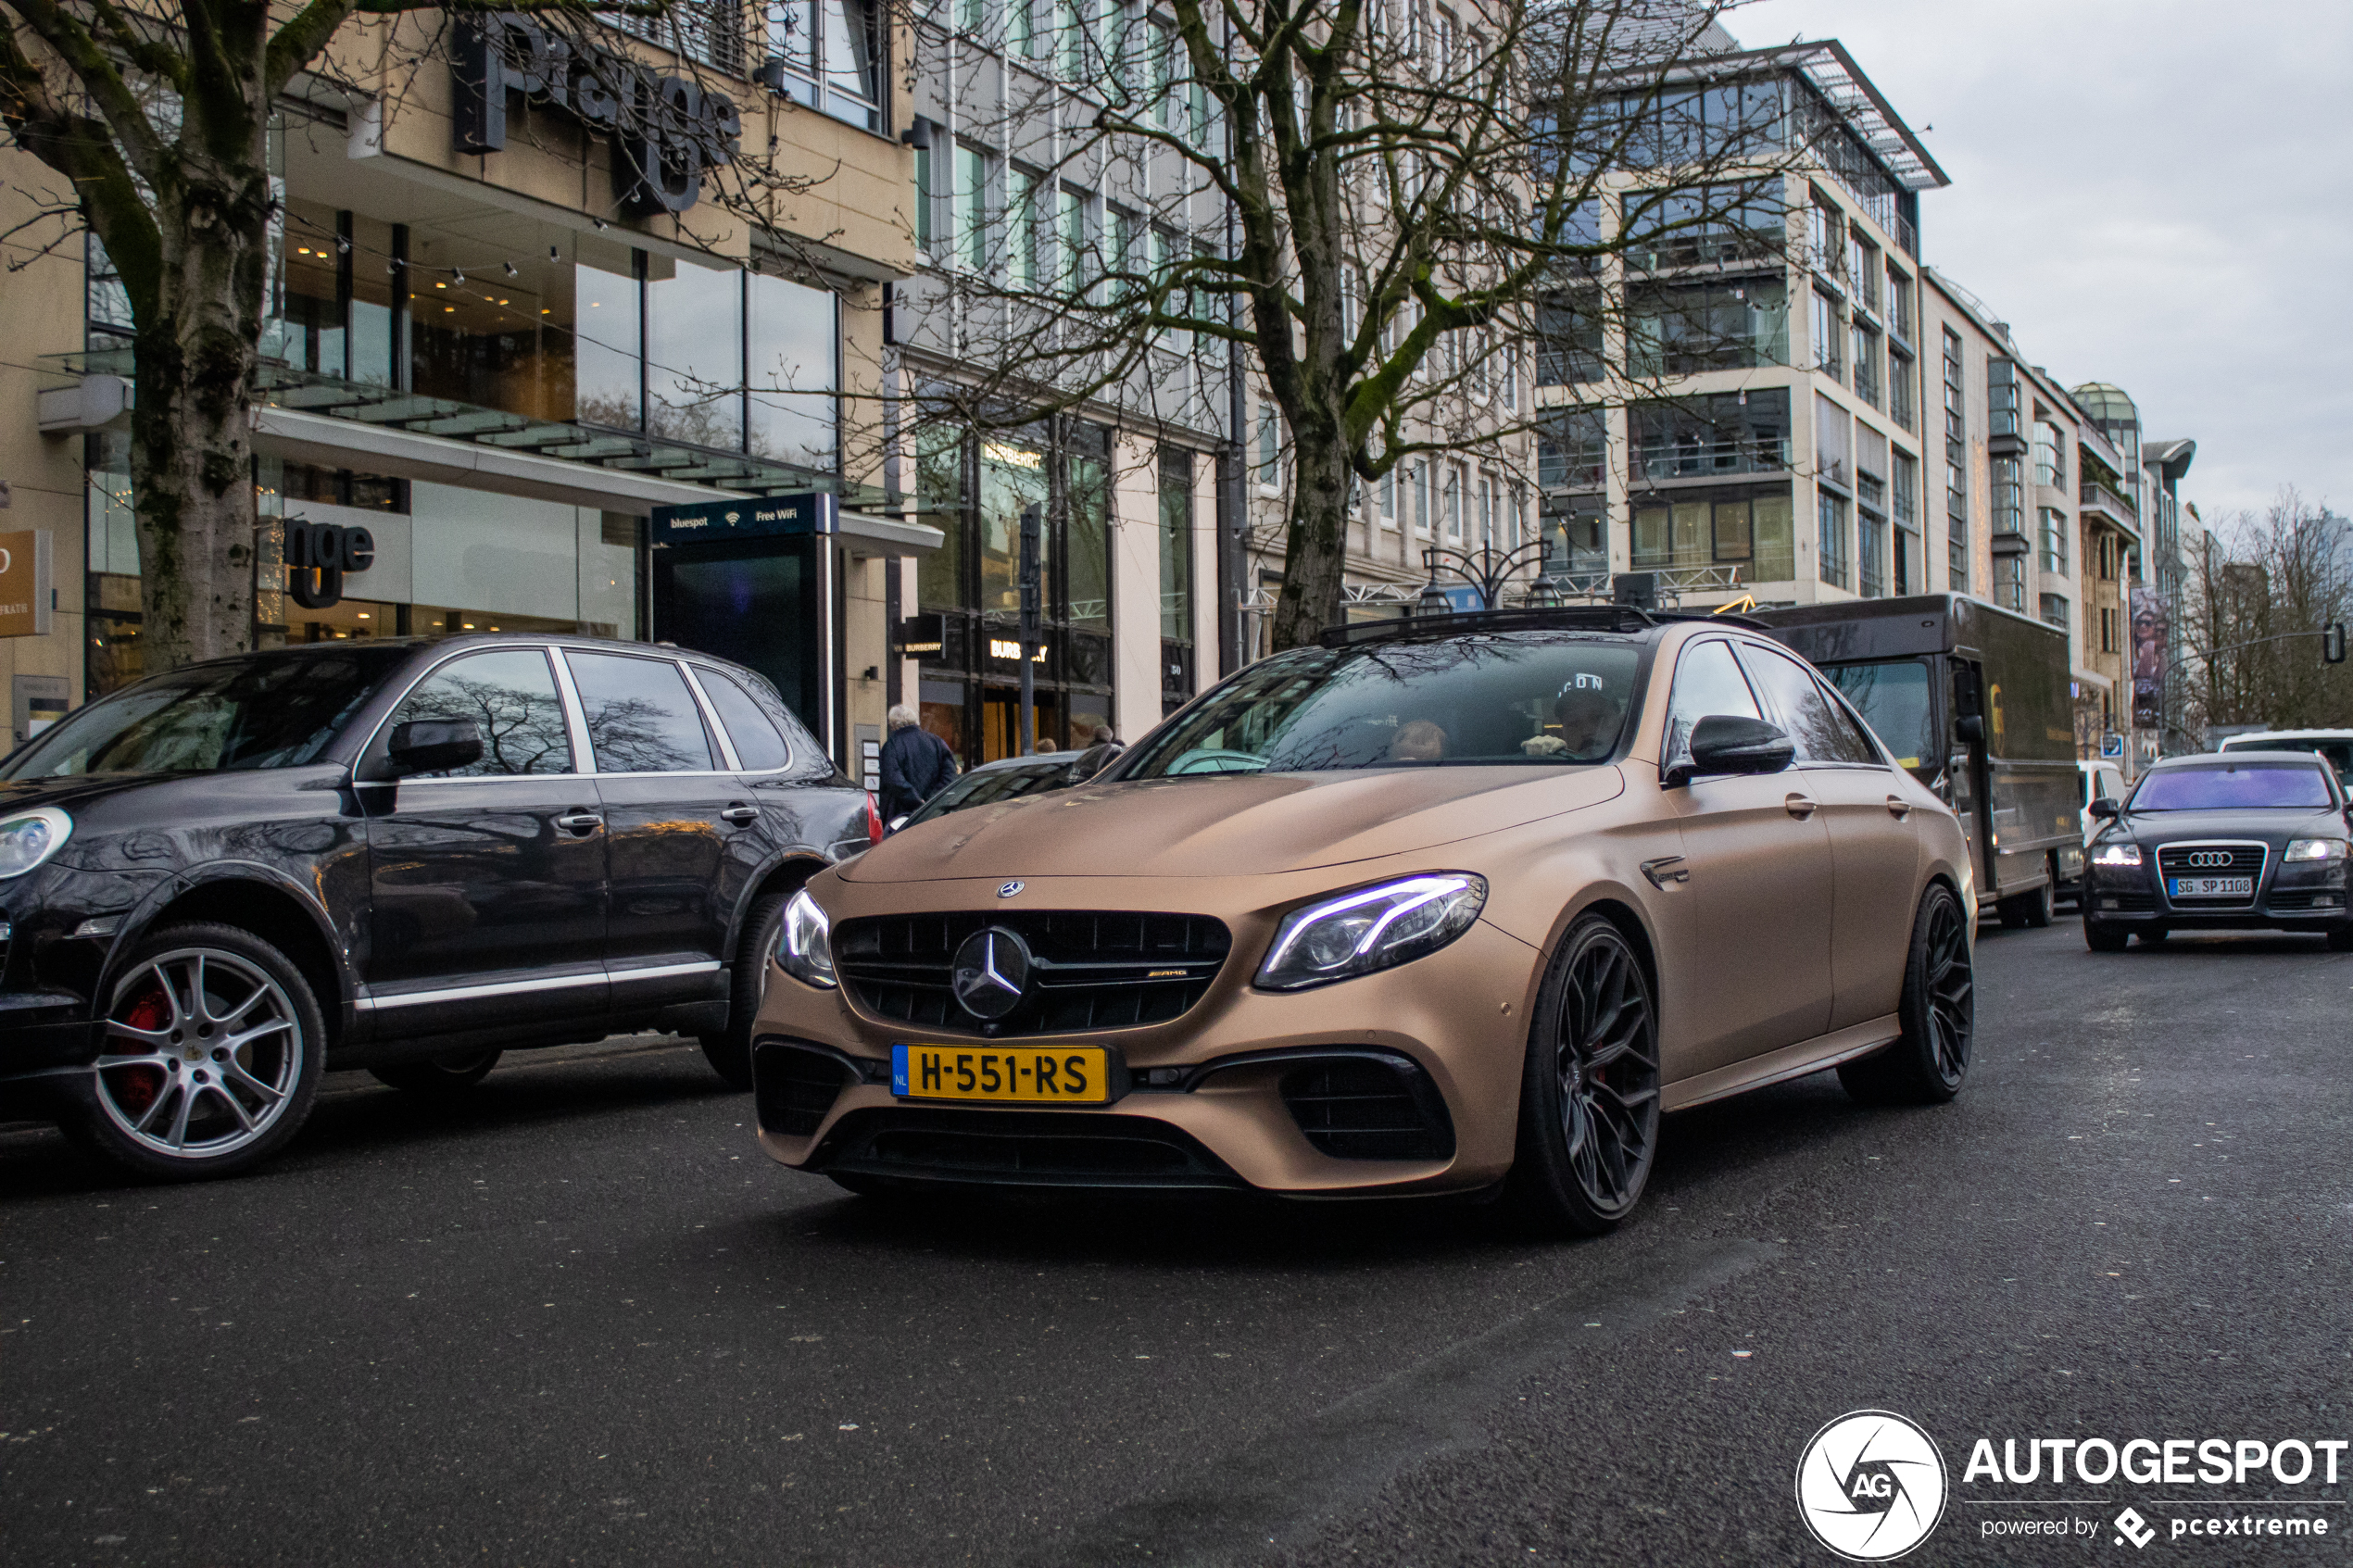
<point x="2104" y="809"/>
<point x="1971" y="728"/>
<point x="1723" y="743"/>
<point x="431" y="746"/>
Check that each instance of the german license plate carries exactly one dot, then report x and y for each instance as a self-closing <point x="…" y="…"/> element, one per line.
<point x="1024" y="1074"/>
<point x="2210" y="887"/>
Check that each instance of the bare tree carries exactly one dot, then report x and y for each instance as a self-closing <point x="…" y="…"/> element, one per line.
<point x="1368" y="208"/>
<point x="2260" y="592"/>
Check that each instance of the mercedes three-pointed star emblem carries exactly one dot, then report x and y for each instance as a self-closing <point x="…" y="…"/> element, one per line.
<point x="1011" y="888"/>
<point x="991" y="972"/>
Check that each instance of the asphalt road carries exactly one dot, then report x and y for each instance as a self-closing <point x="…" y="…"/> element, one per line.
<point x="578" y="1318"/>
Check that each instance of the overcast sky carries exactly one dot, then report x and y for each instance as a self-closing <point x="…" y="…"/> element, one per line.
<point x="2154" y="192"/>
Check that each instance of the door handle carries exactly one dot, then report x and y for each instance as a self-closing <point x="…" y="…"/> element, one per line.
<point x="1799" y="806"/>
<point x="740" y="813"/>
<point x="1898" y="808"/>
<point x="580" y="821"/>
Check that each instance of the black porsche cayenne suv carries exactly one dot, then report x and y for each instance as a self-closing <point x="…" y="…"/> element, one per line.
<point x="407" y="856"/>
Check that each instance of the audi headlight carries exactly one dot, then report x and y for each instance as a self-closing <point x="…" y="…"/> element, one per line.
<point x="804" y="947"/>
<point x="1373" y="928"/>
<point x="2117" y="855"/>
<point x="31" y="838"/>
<point x="2315" y="849"/>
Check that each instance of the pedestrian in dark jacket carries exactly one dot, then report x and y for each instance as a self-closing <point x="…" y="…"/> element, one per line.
<point x="916" y="765"/>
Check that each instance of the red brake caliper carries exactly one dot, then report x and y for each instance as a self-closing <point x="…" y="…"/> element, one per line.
<point x="136" y="1087"/>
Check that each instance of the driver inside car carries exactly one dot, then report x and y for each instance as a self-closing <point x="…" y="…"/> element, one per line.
<point x="1588" y="723"/>
<point x="1419" y="740"/>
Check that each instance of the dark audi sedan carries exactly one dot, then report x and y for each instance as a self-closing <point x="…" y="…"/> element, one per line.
<point x="408" y="856"/>
<point x="2232" y="841"/>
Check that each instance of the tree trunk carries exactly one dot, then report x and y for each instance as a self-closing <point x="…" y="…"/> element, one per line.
<point x="1315" y="544"/>
<point x="192" y="430"/>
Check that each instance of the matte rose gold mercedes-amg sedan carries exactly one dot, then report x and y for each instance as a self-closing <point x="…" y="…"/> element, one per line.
<point x="1434" y="907"/>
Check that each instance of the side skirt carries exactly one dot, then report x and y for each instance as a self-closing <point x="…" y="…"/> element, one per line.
<point x="1790" y="1061"/>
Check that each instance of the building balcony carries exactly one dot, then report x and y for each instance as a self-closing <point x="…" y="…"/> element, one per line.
<point x="2098" y="500"/>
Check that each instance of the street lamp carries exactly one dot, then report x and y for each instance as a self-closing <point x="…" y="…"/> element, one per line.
<point x="1488" y="569"/>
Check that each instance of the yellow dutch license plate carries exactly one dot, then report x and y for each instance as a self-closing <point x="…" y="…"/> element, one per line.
<point x="1024" y="1074"/>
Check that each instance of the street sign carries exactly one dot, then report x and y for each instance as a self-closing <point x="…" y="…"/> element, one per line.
<point x="745" y="517"/>
<point x="24" y="583"/>
<point x="2112" y="744"/>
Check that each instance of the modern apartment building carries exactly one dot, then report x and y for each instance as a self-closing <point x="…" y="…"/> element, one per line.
<point x="509" y="322"/>
<point x="1772" y="448"/>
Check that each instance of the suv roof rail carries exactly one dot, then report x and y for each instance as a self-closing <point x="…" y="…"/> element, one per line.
<point x="1569" y="617"/>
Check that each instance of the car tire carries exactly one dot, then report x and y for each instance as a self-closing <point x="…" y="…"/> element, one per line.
<point x="213" y="1046"/>
<point x="2341" y="939"/>
<point x="2027" y="911"/>
<point x="729" y="1050"/>
<point x="1589" y="1115"/>
<point x="1937" y="1011"/>
<point x="2106" y="936"/>
<point x="438" y="1075"/>
<point x="2151" y="935"/>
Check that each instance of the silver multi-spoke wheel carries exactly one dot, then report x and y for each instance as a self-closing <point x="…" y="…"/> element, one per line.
<point x="203" y="1054"/>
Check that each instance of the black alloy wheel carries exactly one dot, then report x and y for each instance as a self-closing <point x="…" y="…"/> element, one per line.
<point x="1589" y="1097"/>
<point x="440" y="1075"/>
<point x="1938" y="1012"/>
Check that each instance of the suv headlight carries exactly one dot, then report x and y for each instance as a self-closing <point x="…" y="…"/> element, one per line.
<point x="2315" y="849"/>
<point x="1373" y="928"/>
<point x="31" y="838"/>
<point x="2117" y="855"/>
<point x="804" y="947"/>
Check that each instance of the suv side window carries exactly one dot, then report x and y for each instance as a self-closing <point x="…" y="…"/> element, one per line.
<point x="1818" y="731"/>
<point x="758" y="745"/>
<point x="641" y="716"/>
<point x="510" y="695"/>
<point x="1708" y="682"/>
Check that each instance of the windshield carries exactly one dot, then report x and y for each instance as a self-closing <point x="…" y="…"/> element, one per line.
<point x="1514" y="698"/>
<point x="2245" y="786"/>
<point x="1894" y="700"/>
<point x="980" y="787"/>
<point x="269" y="711"/>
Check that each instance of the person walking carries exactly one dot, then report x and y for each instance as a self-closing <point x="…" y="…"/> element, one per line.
<point x="916" y="764"/>
<point x="1100" y="753"/>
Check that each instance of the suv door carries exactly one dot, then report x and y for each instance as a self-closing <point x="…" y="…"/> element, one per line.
<point x="1875" y="847"/>
<point x="674" y="809"/>
<point x="486" y="883"/>
<point x="1758" y="857"/>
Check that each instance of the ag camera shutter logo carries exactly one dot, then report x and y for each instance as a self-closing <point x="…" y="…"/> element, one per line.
<point x="1870" y="1486"/>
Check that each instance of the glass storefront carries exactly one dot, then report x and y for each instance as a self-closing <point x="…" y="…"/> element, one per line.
<point x="974" y="489"/>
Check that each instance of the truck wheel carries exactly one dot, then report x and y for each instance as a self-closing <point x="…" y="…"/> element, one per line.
<point x="438" y="1075"/>
<point x="1938" y="1012"/>
<point x="213" y="1048"/>
<point x="729" y="1050"/>
<point x="2020" y="910"/>
<point x="2106" y="936"/>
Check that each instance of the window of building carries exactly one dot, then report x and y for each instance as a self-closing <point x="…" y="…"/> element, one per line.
<point x="1572" y="449"/>
<point x="793" y="347"/>
<point x="1825" y="238"/>
<point x="1834" y="442"/>
<point x="2001" y="397"/>
<point x="1862" y="272"/>
<point x="828" y="55"/>
<point x="1568" y="340"/>
<point x="1828" y="333"/>
<point x="1832" y="558"/>
<point x="1421" y="498"/>
<point x="2055" y="609"/>
<point x="1900" y="305"/>
<point x="2009" y="503"/>
<point x="2009" y="581"/>
<point x="2050" y="454"/>
<point x="925" y="196"/>
<point x="1486" y="510"/>
<point x="1453" y="501"/>
<point x="1176" y="576"/>
<point x="1867" y="365"/>
<point x="2108" y="629"/>
<point x="1270" y="446"/>
<point x="1687" y="529"/>
<point x="1718" y="433"/>
<point x="2054" y="528"/>
<point x="1955" y="406"/>
<point x="1682" y="329"/>
<point x="1702" y="225"/>
<point x="972" y="208"/>
<point x="1901" y="376"/>
<point x="1870" y="552"/>
<point x="1576" y="538"/>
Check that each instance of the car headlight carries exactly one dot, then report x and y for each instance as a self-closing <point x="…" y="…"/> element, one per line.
<point x="1373" y="928"/>
<point x="804" y="947"/>
<point x="31" y="838"/>
<point x="2117" y="855"/>
<point x="2315" y="849"/>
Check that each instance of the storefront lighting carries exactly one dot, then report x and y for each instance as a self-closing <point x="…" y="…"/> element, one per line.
<point x="440" y="285"/>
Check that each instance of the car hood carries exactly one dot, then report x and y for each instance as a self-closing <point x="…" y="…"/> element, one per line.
<point x="68" y="791"/>
<point x="2171" y="827"/>
<point x="1224" y="824"/>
